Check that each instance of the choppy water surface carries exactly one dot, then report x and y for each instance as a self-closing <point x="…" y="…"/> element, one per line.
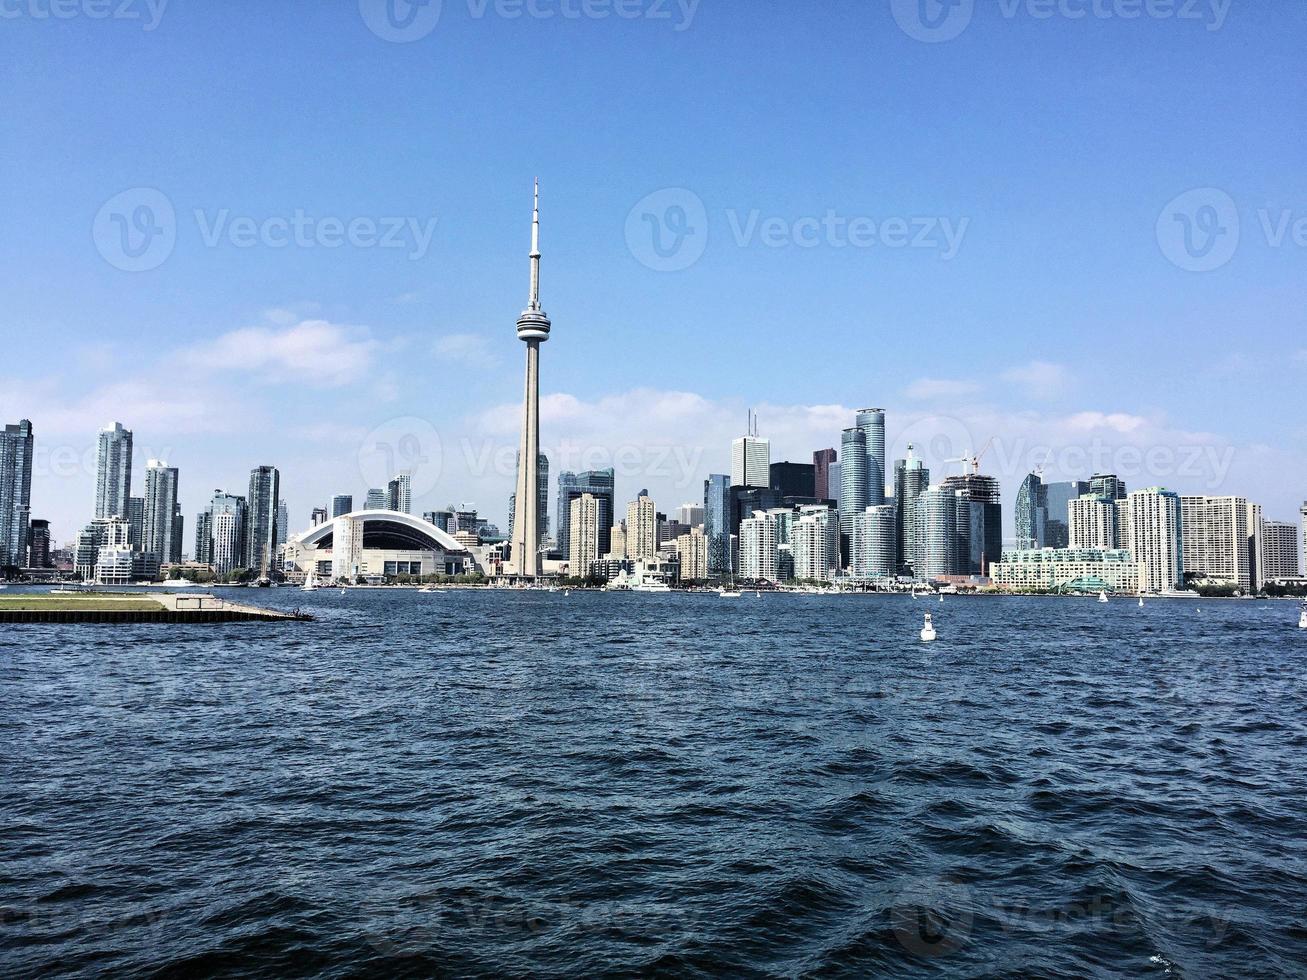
<point x="474" y="783"/>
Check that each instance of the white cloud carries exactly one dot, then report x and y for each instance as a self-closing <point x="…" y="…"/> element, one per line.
<point x="1041" y="379"/>
<point x="311" y="353"/>
<point x="931" y="388"/>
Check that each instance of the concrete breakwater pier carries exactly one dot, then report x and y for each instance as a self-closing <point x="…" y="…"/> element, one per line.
<point x="118" y="607"/>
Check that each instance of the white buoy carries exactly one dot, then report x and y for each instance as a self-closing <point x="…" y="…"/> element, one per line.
<point x="1302" y="616"/>
<point x="928" y="630"/>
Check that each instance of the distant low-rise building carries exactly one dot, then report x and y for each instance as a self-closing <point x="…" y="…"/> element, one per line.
<point x="1066" y="569"/>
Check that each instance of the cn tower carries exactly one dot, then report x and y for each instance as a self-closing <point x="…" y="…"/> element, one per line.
<point x="533" y="328"/>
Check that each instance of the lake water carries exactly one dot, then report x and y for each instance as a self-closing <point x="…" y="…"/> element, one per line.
<point x="508" y="783"/>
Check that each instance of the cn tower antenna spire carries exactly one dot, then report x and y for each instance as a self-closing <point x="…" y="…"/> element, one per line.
<point x="535" y="249"/>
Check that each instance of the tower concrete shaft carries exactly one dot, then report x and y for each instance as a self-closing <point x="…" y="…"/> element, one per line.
<point x="532" y="327"/>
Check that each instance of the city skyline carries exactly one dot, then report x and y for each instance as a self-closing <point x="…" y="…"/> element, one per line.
<point x="302" y="354"/>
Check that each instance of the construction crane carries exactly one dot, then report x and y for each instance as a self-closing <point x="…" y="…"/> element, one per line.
<point x="1039" y="470"/>
<point x="973" y="461"/>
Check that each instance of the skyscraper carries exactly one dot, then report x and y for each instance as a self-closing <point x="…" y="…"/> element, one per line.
<point x="872" y="423"/>
<point x="533" y="328"/>
<point x="113" y="476"/>
<point x="751" y="458"/>
<point x="136" y="522"/>
<point x="16" y="446"/>
<point x="542" y="480"/>
<point x="979" y="522"/>
<point x="342" y="503"/>
<point x="822" y="487"/>
<point x="853" y="477"/>
<point x="641" y="529"/>
<point x="1222" y="539"/>
<point x="1107" y="485"/>
<point x="38" y="545"/>
<point x="583" y="522"/>
<point x="399" y="493"/>
<point x="377" y="499"/>
<point x="758" y="547"/>
<point x="690" y="514"/>
<point x="1094" y="522"/>
<point x="873" y="551"/>
<point x="794" y="479"/>
<point x="160" y="508"/>
<point x="1057" y="522"/>
<point x="911" y="478"/>
<point x="717" y="522"/>
<point x="935" y="552"/>
<point x="227" y="524"/>
<point x="1279" y="550"/>
<point x="261" y="518"/>
<point x="1156" y="539"/>
<point x="693" y="551"/>
<point x="599" y="484"/>
<point x="1031" y="513"/>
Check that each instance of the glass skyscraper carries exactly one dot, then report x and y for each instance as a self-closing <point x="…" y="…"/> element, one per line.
<point x="261" y="518"/>
<point x="601" y="485"/>
<point x="853" y="477"/>
<point x="717" y="522"/>
<point x="342" y="503"/>
<point x="910" y="478"/>
<point x="872" y="423"/>
<point x="1031" y="513"/>
<point x="113" y="472"/>
<point x="1057" y="524"/>
<point x="16" y="445"/>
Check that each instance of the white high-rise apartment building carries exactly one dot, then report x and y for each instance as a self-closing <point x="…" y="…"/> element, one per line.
<point x="1156" y="539"/>
<point x="641" y="528"/>
<point x="1223" y="539"/>
<point x="758" y="547"/>
<point x="160" y="511"/>
<point x="617" y="541"/>
<point x="113" y="473"/>
<point x="584" y="531"/>
<point x="814" y="538"/>
<point x="692" y="548"/>
<point x="1093" y="523"/>
<point x="1279" y="550"/>
<point x="751" y="462"/>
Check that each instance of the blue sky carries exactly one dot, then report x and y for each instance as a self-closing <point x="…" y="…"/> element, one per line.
<point x="1017" y="191"/>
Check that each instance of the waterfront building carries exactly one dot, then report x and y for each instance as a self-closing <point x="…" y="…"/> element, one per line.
<point x="17" y="444"/>
<point x="600" y="485"/>
<point x="533" y="328"/>
<point x="1067" y="569"/>
<point x="160" y="508"/>
<point x="1057" y="527"/>
<point x="399" y="493"/>
<point x="751" y="461"/>
<point x="872" y="423"/>
<point x="979" y="522"/>
<point x="935" y="532"/>
<point x="641" y="528"/>
<point x="822" y="486"/>
<point x="583" y="523"/>
<point x="793" y="479"/>
<point x="1302" y="512"/>
<point x="1093" y="523"/>
<point x="261" y="518"/>
<point x="203" y="552"/>
<point x="375" y="545"/>
<point x="1156" y="539"/>
<point x="377" y="499"/>
<point x="136" y="521"/>
<point x="853" y="477"/>
<point x="114" y="557"/>
<point x="874" y="551"/>
<point x="342" y="503"/>
<point x="1222" y="540"/>
<point x="1279" y="550"/>
<point x="758" y="547"/>
<point x="283" y="524"/>
<point x="911" y="477"/>
<point x="717" y="529"/>
<point x="38" y="545"/>
<point x="617" y="541"/>
<point x="692" y="548"/>
<point x="1031" y="515"/>
<point x="220" y="533"/>
<point x="113" y="472"/>
<point x="1107" y="485"/>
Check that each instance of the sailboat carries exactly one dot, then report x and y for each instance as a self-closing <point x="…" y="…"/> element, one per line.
<point x="730" y="591"/>
<point x="1302" y="616"/>
<point x="1102" y="597"/>
<point x="1141" y="602"/>
<point x="310" y="581"/>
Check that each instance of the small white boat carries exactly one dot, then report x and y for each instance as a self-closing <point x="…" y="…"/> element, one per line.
<point x="1141" y="602"/>
<point x="342" y="591"/>
<point x="431" y="588"/>
<point x="729" y="593"/>
<point x="1302" y="616"/>
<point x="567" y="592"/>
<point x="757" y="594"/>
<point x="941" y="598"/>
<point x="927" y="630"/>
<point x="1102" y="597"/>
